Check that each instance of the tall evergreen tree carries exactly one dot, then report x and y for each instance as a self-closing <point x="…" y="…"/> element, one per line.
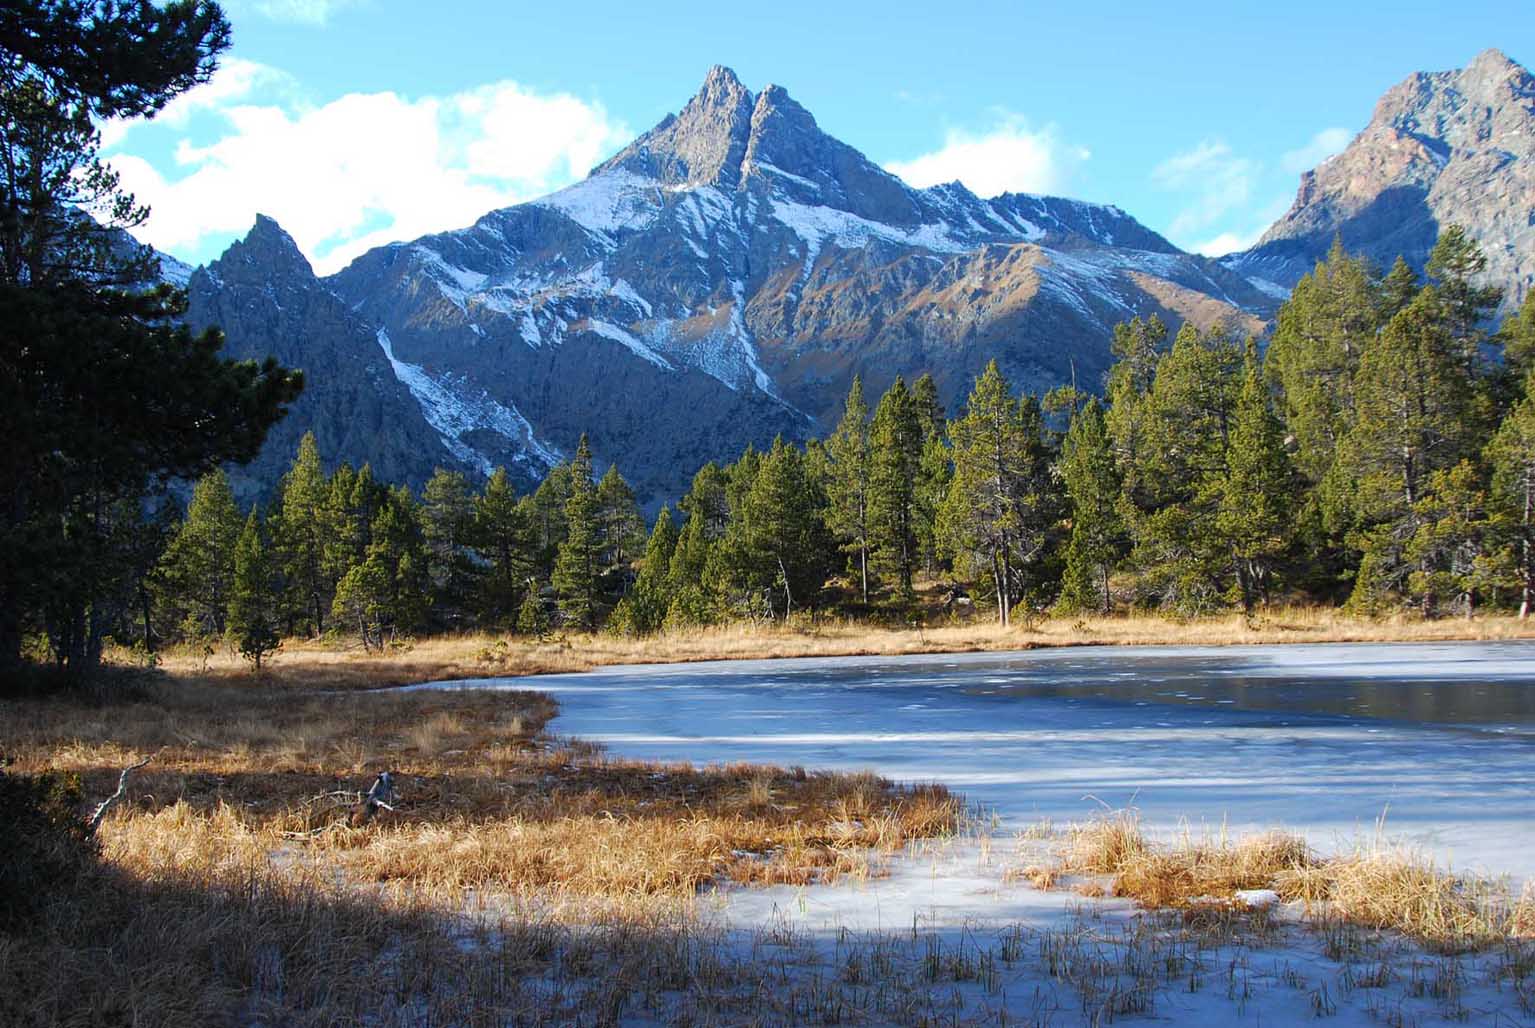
<point x="254" y="598"/>
<point x="1097" y="541"/>
<point x="895" y="468"/>
<point x="1415" y="396"/>
<point x="504" y="543"/>
<point x="447" y="521"/>
<point x="198" y="566"/>
<point x="618" y="515"/>
<point x="299" y="537"/>
<point x="104" y="391"/>
<point x="1320" y="334"/>
<point x="1174" y="485"/>
<point x="1511" y="455"/>
<point x="385" y="592"/>
<point x="786" y="546"/>
<point x="578" y="561"/>
<point x="1257" y="496"/>
<point x="847" y="482"/>
<point x="643" y="611"/>
<point x="996" y="516"/>
<point x="924" y="395"/>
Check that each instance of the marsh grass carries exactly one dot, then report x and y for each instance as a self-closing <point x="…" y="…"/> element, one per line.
<point x="1375" y="885"/>
<point x="521" y="878"/>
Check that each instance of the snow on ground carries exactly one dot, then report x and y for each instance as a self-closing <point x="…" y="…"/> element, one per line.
<point x="1319" y="739"/>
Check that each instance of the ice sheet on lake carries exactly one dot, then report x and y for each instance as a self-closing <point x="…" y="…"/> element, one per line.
<point x="1055" y="752"/>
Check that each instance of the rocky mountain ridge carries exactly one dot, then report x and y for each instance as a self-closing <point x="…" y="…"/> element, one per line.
<point x="1442" y="148"/>
<point x="721" y="279"/>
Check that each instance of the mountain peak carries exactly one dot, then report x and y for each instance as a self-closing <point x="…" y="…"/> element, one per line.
<point x="1448" y="147"/>
<point x="722" y="78"/>
<point x="267" y="250"/>
<point x="701" y="145"/>
<point x="1494" y="61"/>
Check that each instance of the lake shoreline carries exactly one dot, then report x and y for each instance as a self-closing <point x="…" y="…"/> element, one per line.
<point x="344" y="664"/>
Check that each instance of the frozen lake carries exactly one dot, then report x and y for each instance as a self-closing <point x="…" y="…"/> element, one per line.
<point x="1440" y="739"/>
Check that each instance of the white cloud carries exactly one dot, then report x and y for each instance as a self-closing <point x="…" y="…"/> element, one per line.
<point x="305" y="12"/>
<point x="1215" y="182"/>
<point x="1008" y="159"/>
<point x="1227" y="242"/>
<point x="367" y="168"/>
<point x="235" y="79"/>
<point x="1322" y="146"/>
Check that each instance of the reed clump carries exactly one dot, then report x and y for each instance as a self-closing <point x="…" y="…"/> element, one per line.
<point x="1375" y="885"/>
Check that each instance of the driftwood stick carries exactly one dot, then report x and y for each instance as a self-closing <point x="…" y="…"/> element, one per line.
<point x="380" y="797"/>
<point x="122" y="790"/>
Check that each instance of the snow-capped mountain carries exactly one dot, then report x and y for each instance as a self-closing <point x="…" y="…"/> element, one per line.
<point x="1443" y="148"/>
<point x="722" y="279"/>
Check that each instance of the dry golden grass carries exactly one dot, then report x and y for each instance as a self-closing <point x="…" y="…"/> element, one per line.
<point x="1376" y="885"/>
<point x="233" y="887"/>
<point x="485" y="800"/>
<point x="342" y="664"/>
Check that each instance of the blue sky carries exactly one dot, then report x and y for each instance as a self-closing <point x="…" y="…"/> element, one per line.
<point x="356" y="122"/>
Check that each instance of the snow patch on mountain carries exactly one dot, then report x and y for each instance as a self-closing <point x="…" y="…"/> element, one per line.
<point x="817" y="225"/>
<point x="627" y="339"/>
<point x="449" y="407"/>
<point x="611" y="202"/>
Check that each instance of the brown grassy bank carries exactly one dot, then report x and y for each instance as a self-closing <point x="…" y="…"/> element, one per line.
<point x="335" y="664"/>
<point x="1373" y="885"/>
<point x="231" y="874"/>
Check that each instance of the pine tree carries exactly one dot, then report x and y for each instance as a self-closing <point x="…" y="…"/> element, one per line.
<point x="299" y="536"/>
<point x="895" y="466"/>
<point x="253" y="598"/>
<point x="643" y="611"/>
<point x="1453" y="266"/>
<point x="1397" y="290"/>
<point x="1511" y="455"/>
<point x="847" y="482"/>
<point x="578" y="560"/>
<point x="1257" y="496"/>
<point x="1136" y="347"/>
<point x="999" y="509"/>
<point x="1447" y="551"/>
<point x="198" y="566"/>
<point x="1174" y="486"/>
<point x="1097" y="541"/>
<point x="1517" y="337"/>
<point x="503" y="541"/>
<point x="622" y="524"/>
<point x="106" y="390"/>
<point x="545" y="511"/>
<point x="385" y="592"/>
<point x="934" y="472"/>
<point x="1414" y="396"/>
<point x="1319" y="336"/>
<point x="786" y="548"/>
<point x="532" y="618"/>
<point x="924" y="396"/>
<point x="447" y="518"/>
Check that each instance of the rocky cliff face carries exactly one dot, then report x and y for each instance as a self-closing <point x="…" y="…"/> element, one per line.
<point x="265" y="297"/>
<point x="1445" y="148"/>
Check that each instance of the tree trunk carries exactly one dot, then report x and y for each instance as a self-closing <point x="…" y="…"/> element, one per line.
<point x="10" y="635"/>
<point x="863" y="562"/>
